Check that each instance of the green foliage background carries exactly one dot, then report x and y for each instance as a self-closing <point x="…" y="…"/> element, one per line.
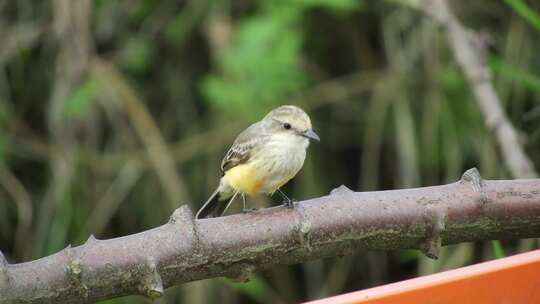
<point x="110" y="140"/>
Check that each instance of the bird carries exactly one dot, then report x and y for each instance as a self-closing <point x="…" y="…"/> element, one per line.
<point x="263" y="158"/>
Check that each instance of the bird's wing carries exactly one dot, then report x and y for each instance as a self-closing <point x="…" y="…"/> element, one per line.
<point x="245" y="145"/>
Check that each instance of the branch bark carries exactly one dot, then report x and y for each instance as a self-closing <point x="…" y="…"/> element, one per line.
<point x="234" y="246"/>
<point x="470" y="52"/>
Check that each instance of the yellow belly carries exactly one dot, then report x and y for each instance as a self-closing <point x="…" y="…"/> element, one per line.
<point x="244" y="178"/>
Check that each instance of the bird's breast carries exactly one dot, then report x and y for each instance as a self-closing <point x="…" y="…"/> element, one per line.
<point x="271" y="167"/>
<point x="281" y="160"/>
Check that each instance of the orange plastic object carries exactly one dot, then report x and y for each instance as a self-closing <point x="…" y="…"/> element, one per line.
<point x="514" y="279"/>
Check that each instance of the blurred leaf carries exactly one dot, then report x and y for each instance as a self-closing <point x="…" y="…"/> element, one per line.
<point x="452" y="79"/>
<point x="498" y="251"/>
<point x="406" y="256"/>
<point x="100" y="6"/>
<point x="4" y="124"/>
<point x="58" y="231"/>
<point x="178" y="28"/>
<point x="527" y="13"/>
<point x="407" y="149"/>
<point x="78" y="103"/>
<point x="138" y="53"/>
<point x="462" y="109"/>
<point x="340" y="5"/>
<point x="410" y="3"/>
<point x="262" y="66"/>
<point x="461" y="124"/>
<point x="141" y="9"/>
<point x="510" y="71"/>
<point x="255" y="288"/>
<point x="3" y="145"/>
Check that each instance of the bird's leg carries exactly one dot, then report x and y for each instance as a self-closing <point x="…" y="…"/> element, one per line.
<point x="289" y="203"/>
<point x="229" y="203"/>
<point x="245" y="209"/>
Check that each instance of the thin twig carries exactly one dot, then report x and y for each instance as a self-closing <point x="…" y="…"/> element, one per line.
<point x="470" y="52"/>
<point x="17" y="38"/>
<point x="109" y="203"/>
<point x="23" y="201"/>
<point x="146" y="128"/>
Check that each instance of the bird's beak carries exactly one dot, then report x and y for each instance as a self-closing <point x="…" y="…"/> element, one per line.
<point x="309" y="133"/>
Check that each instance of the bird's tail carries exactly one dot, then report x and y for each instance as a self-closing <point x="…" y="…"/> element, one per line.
<point x="213" y="206"/>
<point x="208" y="209"/>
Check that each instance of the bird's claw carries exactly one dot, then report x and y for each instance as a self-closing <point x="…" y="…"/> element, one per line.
<point x="248" y="210"/>
<point x="289" y="203"/>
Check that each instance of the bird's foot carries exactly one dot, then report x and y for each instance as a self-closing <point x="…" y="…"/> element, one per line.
<point x="289" y="203"/>
<point x="248" y="210"/>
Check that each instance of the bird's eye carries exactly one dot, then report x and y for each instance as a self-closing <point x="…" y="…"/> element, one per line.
<point x="287" y="126"/>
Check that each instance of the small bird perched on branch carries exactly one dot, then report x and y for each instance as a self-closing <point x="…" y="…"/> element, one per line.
<point x="263" y="158"/>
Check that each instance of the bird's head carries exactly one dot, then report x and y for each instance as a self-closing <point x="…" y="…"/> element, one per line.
<point x="290" y="120"/>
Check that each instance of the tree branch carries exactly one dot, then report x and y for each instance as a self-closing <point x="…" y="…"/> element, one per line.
<point x="470" y="52"/>
<point x="234" y="246"/>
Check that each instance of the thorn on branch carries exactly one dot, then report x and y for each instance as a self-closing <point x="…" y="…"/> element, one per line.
<point x="341" y="190"/>
<point x="91" y="240"/>
<point x="4" y="278"/>
<point x="434" y="227"/>
<point x="151" y="283"/>
<point x="472" y="177"/>
<point x="182" y="214"/>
